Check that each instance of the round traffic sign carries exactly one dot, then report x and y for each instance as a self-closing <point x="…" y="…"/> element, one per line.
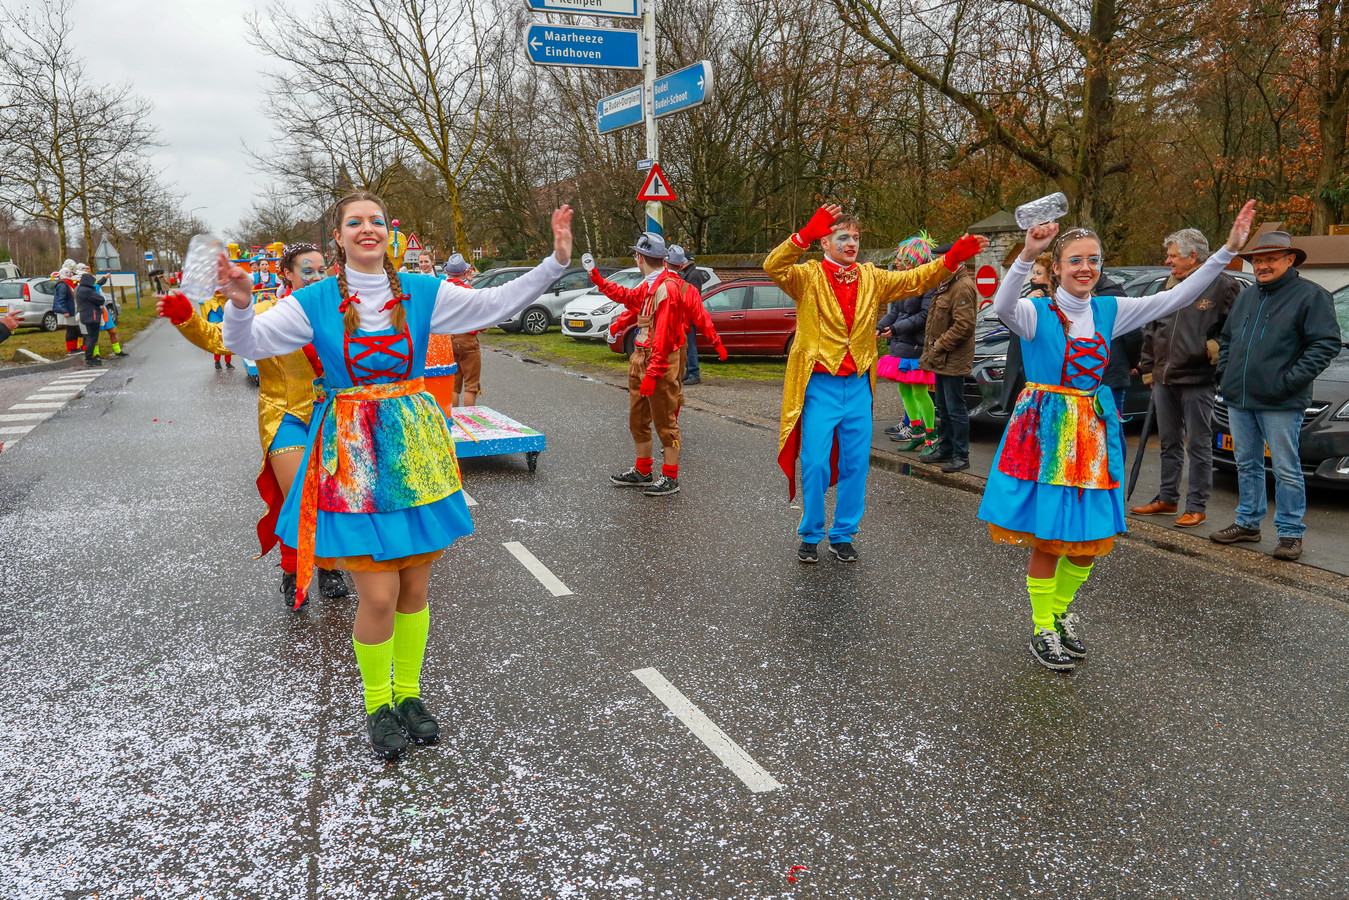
<point x="986" y="281"/>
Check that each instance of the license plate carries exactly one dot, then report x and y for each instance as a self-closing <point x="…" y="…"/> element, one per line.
<point x="1224" y="442"/>
<point x="576" y="323"/>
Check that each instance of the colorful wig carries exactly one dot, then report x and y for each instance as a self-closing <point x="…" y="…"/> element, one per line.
<point x="915" y="251"/>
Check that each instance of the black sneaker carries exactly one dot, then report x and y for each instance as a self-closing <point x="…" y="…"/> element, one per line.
<point x="843" y="552"/>
<point x="631" y="478"/>
<point x="218" y="367"/>
<point x="809" y="553"/>
<point x="1066" y="626"/>
<point x="692" y="379"/>
<point x="288" y="590"/>
<point x="1049" y="652"/>
<point x="662" y="486"/>
<point x="419" y="724"/>
<point x="955" y="465"/>
<point x="1233" y="533"/>
<point x="122" y="353"/>
<point x="331" y="584"/>
<point x="230" y="366"/>
<point x="93" y="363"/>
<point x="385" y="731"/>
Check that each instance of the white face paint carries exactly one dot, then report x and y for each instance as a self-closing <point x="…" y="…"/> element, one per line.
<point x="841" y="247"/>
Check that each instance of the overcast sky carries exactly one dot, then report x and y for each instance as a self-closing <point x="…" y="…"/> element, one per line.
<point x="192" y="60"/>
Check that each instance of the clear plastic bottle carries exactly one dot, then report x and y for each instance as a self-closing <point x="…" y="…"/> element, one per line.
<point x="201" y="268"/>
<point x="1038" y="212"/>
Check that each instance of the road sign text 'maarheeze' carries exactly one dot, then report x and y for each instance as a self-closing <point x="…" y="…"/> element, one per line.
<point x="597" y="48"/>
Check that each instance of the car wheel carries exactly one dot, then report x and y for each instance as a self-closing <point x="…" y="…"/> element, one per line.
<point x="630" y="342"/>
<point x="534" y="321"/>
<point x="49" y="322"/>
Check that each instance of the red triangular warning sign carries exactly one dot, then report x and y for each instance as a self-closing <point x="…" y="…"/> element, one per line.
<point x="657" y="187"/>
<point x="413" y="243"/>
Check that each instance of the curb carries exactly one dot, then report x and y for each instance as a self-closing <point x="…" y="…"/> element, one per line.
<point x="1303" y="578"/>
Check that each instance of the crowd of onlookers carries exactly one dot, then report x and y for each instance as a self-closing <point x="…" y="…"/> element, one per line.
<point x="1261" y="346"/>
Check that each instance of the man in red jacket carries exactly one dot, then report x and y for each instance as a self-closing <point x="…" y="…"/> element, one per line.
<point x="654" y="390"/>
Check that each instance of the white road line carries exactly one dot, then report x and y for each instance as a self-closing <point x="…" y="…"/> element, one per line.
<point x="468" y="501"/>
<point x="537" y="569"/>
<point x="46" y="405"/>
<point x="50" y="392"/>
<point x="82" y="376"/>
<point x="16" y="429"/>
<point x="26" y="417"/>
<point x="755" y="777"/>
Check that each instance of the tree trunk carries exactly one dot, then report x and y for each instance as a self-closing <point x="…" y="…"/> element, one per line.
<point x="1332" y="103"/>
<point x="1098" y="113"/>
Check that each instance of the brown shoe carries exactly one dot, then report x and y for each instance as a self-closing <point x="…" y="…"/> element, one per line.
<point x="1155" y="508"/>
<point x="1189" y="519"/>
<point x="1290" y="548"/>
<point x="1233" y="533"/>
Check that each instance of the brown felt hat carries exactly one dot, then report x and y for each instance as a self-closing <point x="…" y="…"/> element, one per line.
<point x="1275" y="242"/>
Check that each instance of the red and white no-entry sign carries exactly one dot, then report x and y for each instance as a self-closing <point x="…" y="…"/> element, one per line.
<point x="986" y="281"/>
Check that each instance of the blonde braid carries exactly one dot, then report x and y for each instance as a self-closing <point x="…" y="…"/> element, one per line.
<point x="399" y="317"/>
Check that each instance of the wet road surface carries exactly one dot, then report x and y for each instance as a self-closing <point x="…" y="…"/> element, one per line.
<point x="173" y="731"/>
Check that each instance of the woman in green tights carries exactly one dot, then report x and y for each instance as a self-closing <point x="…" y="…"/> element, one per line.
<point x="903" y="327"/>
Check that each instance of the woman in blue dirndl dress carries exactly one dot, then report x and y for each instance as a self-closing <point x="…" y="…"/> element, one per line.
<point x="1057" y="481"/>
<point x="380" y="493"/>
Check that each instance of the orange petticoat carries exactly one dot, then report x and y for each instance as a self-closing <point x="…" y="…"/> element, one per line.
<point x="1002" y="535"/>
<point x="367" y="563"/>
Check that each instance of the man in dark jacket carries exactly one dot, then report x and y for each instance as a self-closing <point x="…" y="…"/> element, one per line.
<point x="683" y="264"/>
<point x="1280" y="335"/>
<point x="1180" y="356"/>
<point x="948" y="352"/>
<point x="90" y="302"/>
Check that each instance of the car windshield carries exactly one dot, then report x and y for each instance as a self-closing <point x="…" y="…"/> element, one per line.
<point x="626" y="278"/>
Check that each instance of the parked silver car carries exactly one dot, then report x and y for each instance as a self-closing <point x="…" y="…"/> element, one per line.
<point x="590" y="314"/>
<point x="33" y="298"/>
<point x="547" y="310"/>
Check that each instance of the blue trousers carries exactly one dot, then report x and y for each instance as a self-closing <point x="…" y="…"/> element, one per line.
<point x="691" y="369"/>
<point x="835" y="405"/>
<point x="1281" y="430"/>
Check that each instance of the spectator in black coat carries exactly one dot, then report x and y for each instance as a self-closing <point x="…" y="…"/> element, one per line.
<point x="89" y="299"/>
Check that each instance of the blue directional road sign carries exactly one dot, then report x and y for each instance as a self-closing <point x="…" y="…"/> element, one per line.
<point x="613" y="8"/>
<point x="619" y="111"/>
<point x="587" y="48"/>
<point x="684" y="89"/>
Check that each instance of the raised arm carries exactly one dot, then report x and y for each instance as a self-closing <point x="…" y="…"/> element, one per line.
<point x="898" y="285"/>
<point x="629" y="298"/>
<point x="1144" y="309"/>
<point x="184" y="316"/>
<point x="280" y="330"/>
<point x="1016" y="312"/>
<point x="459" y="309"/>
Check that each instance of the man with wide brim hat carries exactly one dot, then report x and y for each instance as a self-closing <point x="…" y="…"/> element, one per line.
<point x="467" y="353"/>
<point x="1280" y="335"/>
<point x="654" y="371"/>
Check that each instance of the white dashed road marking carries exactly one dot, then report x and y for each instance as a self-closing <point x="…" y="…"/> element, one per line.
<point x="51" y="404"/>
<point x="15" y="429"/>
<point x="48" y="400"/>
<point x="755" y="777"/>
<point x="25" y="417"/>
<point x="537" y="569"/>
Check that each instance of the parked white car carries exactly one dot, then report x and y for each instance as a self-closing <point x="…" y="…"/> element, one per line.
<point x="588" y="317"/>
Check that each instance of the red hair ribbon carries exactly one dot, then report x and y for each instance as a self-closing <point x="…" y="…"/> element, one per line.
<point x="396" y="301"/>
<point x="342" y="307"/>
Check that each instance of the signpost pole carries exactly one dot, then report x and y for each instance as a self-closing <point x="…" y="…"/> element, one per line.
<point x="653" y="209"/>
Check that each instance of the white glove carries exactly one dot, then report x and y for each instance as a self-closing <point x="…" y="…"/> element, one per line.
<point x="588" y="262"/>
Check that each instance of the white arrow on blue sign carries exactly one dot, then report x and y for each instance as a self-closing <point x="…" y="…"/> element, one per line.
<point x="618" y="111"/>
<point x="620" y="8"/>
<point x="684" y="89"/>
<point x="587" y="48"/>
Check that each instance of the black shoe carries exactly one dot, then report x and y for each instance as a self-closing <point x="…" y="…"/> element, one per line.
<point x="631" y="478"/>
<point x="932" y="453"/>
<point x="386" y="733"/>
<point x="844" y="552"/>
<point x="331" y="584"/>
<point x="122" y="353"/>
<point x="93" y="363"/>
<point x="1066" y="626"/>
<point x="1049" y="652"/>
<point x="419" y="724"/>
<point x="955" y="464"/>
<point x="1233" y="533"/>
<point x="218" y="367"/>
<point x="692" y="379"/>
<point x="809" y="553"/>
<point x="288" y="590"/>
<point x="230" y="366"/>
<point x="662" y="487"/>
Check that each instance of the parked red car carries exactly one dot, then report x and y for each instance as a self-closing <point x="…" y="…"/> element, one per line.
<point x="752" y="316"/>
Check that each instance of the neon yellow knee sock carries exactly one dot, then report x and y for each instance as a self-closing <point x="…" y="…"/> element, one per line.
<point x="409" y="647"/>
<point x="1068" y="577"/>
<point x="1041" y="592"/>
<point x="116" y="346"/>
<point x="374" y="661"/>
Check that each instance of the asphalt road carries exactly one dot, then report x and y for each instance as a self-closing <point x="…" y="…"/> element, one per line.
<point x="174" y="731"/>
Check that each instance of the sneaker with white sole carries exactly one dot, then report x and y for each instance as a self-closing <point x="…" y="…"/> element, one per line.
<point x="631" y="478"/>
<point x="1047" y="648"/>
<point x="662" y="487"/>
